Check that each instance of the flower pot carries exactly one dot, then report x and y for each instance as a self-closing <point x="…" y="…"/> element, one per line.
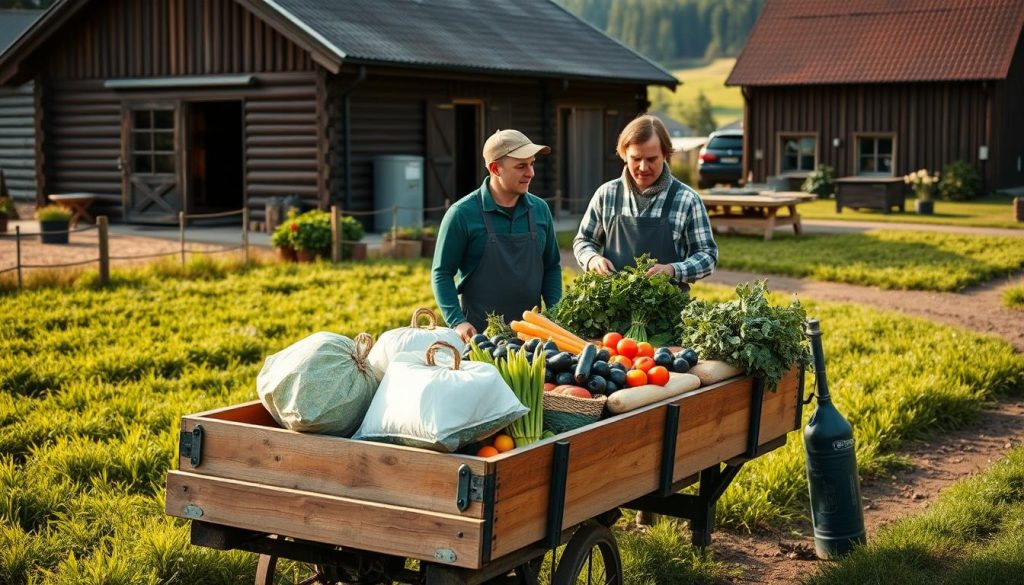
<point x="356" y="251"/>
<point x="286" y="253"/>
<point x="53" y="231"/>
<point x="1018" y="208"/>
<point x="305" y="255"/>
<point x="428" y="247"/>
<point x="403" y="248"/>
<point x="924" y="207"/>
<point x="3" y="222"/>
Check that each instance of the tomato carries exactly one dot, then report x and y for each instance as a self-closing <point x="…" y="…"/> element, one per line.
<point x="611" y="350"/>
<point x="621" y="359"/>
<point x="635" y="378"/>
<point x="611" y="339"/>
<point x="504" y="443"/>
<point x="487" y="451"/>
<point x="658" y="375"/>
<point x="626" y="347"/>
<point x="643" y="363"/>
<point x="645" y="349"/>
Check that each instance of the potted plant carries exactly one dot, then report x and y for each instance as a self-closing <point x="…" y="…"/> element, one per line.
<point x="921" y="182"/>
<point x="7" y="211"/>
<point x="53" y="224"/>
<point x="283" y="238"/>
<point x="352" y="246"/>
<point x="428" y="235"/>
<point x="821" y="182"/>
<point x="312" y="236"/>
<point x="403" y="242"/>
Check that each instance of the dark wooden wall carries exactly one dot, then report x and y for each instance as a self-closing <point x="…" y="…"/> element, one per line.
<point x="1007" y="153"/>
<point x="17" y="140"/>
<point x="933" y="123"/>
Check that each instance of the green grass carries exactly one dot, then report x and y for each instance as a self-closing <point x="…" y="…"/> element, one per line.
<point x="726" y="102"/>
<point x="972" y="534"/>
<point x="991" y="211"/>
<point x="1013" y="297"/>
<point x="885" y="258"/>
<point x="93" y="383"/>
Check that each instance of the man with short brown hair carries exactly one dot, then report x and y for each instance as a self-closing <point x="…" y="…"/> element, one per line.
<point x="496" y="248"/>
<point x="647" y="210"/>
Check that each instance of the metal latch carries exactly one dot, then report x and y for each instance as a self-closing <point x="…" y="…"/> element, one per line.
<point x="470" y="488"/>
<point x="190" y="444"/>
<point x="193" y="511"/>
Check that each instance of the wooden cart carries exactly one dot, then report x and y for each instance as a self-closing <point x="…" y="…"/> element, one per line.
<point x="358" y="510"/>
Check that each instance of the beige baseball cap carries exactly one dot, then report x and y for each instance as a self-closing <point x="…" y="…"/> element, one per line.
<point x="511" y="143"/>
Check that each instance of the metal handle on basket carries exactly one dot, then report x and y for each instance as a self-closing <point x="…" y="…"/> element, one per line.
<point x="442" y="345"/>
<point x="415" y="323"/>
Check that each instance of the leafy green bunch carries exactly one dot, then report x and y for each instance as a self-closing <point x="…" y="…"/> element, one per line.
<point x="749" y="333"/>
<point x="645" y="307"/>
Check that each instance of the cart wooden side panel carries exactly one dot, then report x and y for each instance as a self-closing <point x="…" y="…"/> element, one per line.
<point x="619" y="459"/>
<point x="396" y="530"/>
<point x="244" y="443"/>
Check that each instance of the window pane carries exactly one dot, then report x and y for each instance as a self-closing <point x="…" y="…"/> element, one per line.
<point x="789" y="163"/>
<point x="867" y="164"/>
<point x="142" y="119"/>
<point x="733" y="142"/>
<point x="885" y="164"/>
<point x="163" y="119"/>
<point x="807" y="146"/>
<point x="885" y="146"/>
<point x="142" y="164"/>
<point x="164" y="163"/>
<point x="163" y="141"/>
<point x="142" y="141"/>
<point x="789" y="146"/>
<point x="807" y="162"/>
<point x="866" y="146"/>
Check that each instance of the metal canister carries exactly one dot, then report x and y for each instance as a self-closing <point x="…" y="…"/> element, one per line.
<point x="836" y="510"/>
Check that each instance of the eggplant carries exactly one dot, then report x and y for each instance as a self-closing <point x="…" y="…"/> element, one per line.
<point x="603" y="355"/>
<point x="560" y="362"/>
<point x="610" y="388"/>
<point x="564" y="378"/>
<point x="549" y="344"/>
<point x="531" y="345"/>
<point x="596" y="385"/>
<point x="680" y="365"/>
<point x="479" y="338"/>
<point x="600" y="368"/>
<point x="689" y="355"/>
<point x="549" y="375"/>
<point x="663" y="359"/>
<point x="618" y="377"/>
<point x="585" y="363"/>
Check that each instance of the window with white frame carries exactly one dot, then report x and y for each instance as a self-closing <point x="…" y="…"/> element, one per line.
<point x="874" y="155"/>
<point x="798" y="153"/>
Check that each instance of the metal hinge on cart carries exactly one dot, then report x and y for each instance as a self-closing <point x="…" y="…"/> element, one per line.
<point x="190" y="444"/>
<point x="471" y="488"/>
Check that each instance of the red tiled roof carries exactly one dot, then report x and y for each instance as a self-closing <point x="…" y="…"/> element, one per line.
<point x="799" y="42"/>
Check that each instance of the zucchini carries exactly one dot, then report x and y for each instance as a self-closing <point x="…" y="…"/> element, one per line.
<point x="587" y="358"/>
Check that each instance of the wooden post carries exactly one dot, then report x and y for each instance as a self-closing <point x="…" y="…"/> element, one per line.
<point x="104" y="243"/>
<point x="335" y="235"/>
<point x="245" y="235"/>
<point x="181" y="235"/>
<point x="17" y="247"/>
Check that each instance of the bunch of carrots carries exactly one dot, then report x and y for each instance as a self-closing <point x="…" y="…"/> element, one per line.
<point x="535" y="325"/>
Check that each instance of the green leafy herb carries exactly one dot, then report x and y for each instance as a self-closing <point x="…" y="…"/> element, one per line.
<point x="764" y="340"/>
<point x="496" y="326"/>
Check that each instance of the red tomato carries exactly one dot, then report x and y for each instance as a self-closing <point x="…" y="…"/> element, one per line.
<point x="635" y="378"/>
<point x="611" y="339"/>
<point x="626" y="347"/>
<point x="657" y="375"/>
<point x="645" y="349"/>
<point x="643" y="363"/>
<point x="611" y="350"/>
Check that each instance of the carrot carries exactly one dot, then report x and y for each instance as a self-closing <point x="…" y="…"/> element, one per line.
<point x="541" y="321"/>
<point x="563" y="342"/>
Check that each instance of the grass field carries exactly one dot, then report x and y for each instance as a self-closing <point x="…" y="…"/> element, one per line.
<point x="992" y="211"/>
<point x="93" y="382"/>
<point x="1013" y="297"/>
<point x="726" y="102"/>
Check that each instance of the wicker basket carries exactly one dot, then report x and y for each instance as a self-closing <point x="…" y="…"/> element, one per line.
<point x="564" y="413"/>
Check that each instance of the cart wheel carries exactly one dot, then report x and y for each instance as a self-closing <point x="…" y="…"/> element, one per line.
<point x="591" y="557"/>
<point x="528" y="573"/>
<point x="322" y="574"/>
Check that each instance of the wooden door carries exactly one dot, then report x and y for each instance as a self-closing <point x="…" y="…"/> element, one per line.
<point x="151" y="163"/>
<point x="585" y="156"/>
<point x="440" y="172"/>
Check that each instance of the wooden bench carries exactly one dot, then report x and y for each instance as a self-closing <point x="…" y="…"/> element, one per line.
<point x="77" y="203"/>
<point x="870" y="192"/>
<point x="757" y="211"/>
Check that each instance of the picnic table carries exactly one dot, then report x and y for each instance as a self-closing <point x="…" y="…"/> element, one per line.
<point x="758" y="210"/>
<point x="77" y="203"/>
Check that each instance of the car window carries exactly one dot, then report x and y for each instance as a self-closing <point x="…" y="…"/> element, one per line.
<point x="733" y="142"/>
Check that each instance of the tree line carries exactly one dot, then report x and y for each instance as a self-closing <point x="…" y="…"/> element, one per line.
<point x="670" y="31"/>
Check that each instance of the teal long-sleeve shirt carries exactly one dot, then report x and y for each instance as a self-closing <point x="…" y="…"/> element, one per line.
<point x="463" y="236"/>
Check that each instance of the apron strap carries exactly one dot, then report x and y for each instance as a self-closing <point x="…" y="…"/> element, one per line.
<point x="670" y="199"/>
<point x="487" y="219"/>
<point x="617" y="199"/>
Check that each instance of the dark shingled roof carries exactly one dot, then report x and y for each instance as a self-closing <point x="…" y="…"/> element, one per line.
<point x="799" y="42"/>
<point x="534" y="37"/>
<point x="13" y="23"/>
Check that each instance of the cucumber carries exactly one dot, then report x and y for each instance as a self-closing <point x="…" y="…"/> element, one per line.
<point x="587" y="358"/>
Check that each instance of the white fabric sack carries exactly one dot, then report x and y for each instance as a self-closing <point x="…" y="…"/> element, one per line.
<point x="319" y="384"/>
<point x="440" y="405"/>
<point x="414" y="338"/>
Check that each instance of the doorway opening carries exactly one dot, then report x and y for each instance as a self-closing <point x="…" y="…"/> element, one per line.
<point x="215" y="171"/>
<point x="581" y="156"/>
<point x="469" y="167"/>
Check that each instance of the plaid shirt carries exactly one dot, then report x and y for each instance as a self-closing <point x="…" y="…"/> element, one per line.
<point x="690" y="227"/>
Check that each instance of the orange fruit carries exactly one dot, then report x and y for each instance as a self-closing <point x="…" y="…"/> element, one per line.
<point x="611" y="339"/>
<point x="636" y="378"/>
<point x="487" y="451"/>
<point x="657" y="375"/>
<point x="626" y="347"/>
<point x="645" y="349"/>
<point x="504" y="443"/>
<point x="611" y="350"/>
<point x="643" y="363"/>
<point x="622" y="360"/>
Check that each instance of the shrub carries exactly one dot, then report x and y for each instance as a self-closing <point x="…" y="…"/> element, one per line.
<point x="960" y="181"/>
<point x="7" y="208"/>
<point x="313" y="232"/>
<point x="53" y="213"/>
<point x="351" y="229"/>
<point x="284" y="233"/>
<point x="821" y="182"/>
<point x="406" y="233"/>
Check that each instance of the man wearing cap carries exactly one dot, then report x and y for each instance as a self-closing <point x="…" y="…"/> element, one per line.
<point x="496" y="249"/>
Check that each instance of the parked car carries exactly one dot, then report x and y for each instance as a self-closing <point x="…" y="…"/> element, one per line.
<point x="721" y="159"/>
